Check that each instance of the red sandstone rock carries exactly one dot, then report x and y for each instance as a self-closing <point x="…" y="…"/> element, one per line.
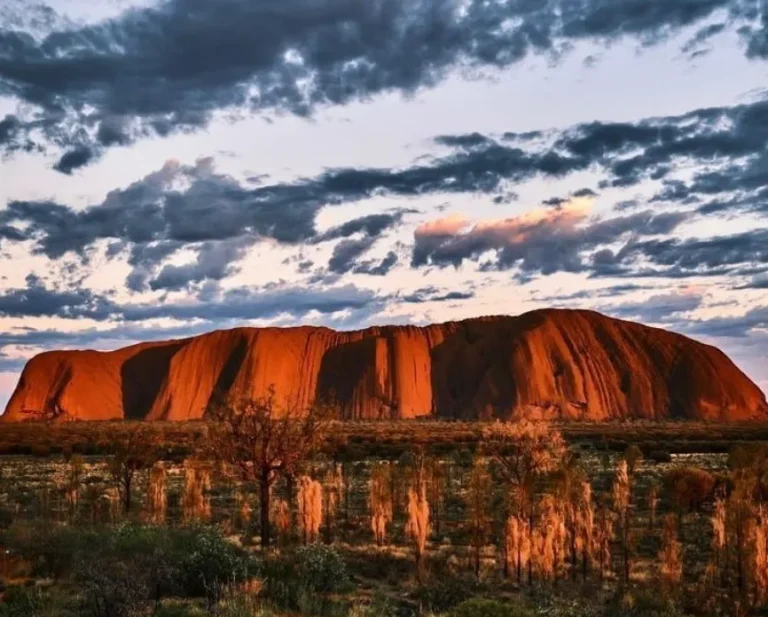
<point x="561" y="364"/>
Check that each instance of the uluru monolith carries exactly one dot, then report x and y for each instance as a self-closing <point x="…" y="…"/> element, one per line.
<point x="552" y="363"/>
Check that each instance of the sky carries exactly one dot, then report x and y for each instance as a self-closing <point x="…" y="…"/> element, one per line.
<point x="173" y="167"/>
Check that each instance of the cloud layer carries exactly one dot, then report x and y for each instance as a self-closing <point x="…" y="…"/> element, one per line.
<point x="172" y="66"/>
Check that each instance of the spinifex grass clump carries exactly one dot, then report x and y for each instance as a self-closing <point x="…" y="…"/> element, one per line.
<point x="310" y="501"/>
<point x="670" y="556"/>
<point x="157" y="494"/>
<point x="380" y="497"/>
<point x="280" y="518"/>
<point x="417" y="528"/>
<point x="196" y="502"/>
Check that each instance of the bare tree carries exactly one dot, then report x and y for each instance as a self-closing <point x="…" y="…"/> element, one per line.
<point x="134" y="449"/>
<point x="256" y="440"/>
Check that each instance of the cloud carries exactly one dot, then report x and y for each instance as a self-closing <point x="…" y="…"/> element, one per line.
<point x="197" y="208"/>
<point x="36" y="300"/>
<point x="658" y="308"/>
<point x="214" y="261"/>
<point x="346" y="252"/>
<point x="433" y="294"/>
<point x="74" y="159"/>
<point x="172" y="66"/>
<point x="371" y="225"/>
<point x="377" y="268"/>
<point x="543" y="241"/>
<point x="739" y="326"/>
<point x="736" y="254"/>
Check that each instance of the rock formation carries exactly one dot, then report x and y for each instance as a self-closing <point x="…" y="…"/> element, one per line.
<point x="563" y="364"/>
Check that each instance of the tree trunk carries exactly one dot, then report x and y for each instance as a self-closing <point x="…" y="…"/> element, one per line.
<point x="127" y="487"/>
<point x="420" y="574"/>
<point x="264" y="508"/>
<point x="530" y="541"/>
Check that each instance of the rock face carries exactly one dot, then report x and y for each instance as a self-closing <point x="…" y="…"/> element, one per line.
<point x="561" y="364"/>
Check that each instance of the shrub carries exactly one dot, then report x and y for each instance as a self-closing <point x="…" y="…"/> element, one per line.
<point x="35" y="601"/>
<point x="689" y="487"/>
<point x="321" y="568"/>
<point x="660" y="456"/>
<point x="49" y="548"/>
<point x="300" y="580"/>
<point x="481" y="607"/>
<point x="209" y="563"/>
<point x="111" y="588"/>
<point x="643" y="604"/>
<point x="446" y="593"/>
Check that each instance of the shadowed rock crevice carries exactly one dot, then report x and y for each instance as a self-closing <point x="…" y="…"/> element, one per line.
<point x="229" y="373"/>
<point x="142" y="376"/>
<point x="550" y="364"/>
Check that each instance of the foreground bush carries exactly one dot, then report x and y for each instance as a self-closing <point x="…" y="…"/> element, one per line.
<point x="130" y="568"/>
<point x="446" y="593"/>
<point x="302" y="579"/>
<point x="480" y="607"/>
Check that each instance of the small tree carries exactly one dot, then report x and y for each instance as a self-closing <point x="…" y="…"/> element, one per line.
<point x="670" y="558"/>
<point x="760" y="557"/>
<point x="134" y="449"/>
<point x="653" y="504"/>
<point x="622" y="491"/>
<point x="478" y="502"/>
<point x="74" y="486"/>
<point x="523" y="451"/>
<point x="585" y="527"/>
<point x="257" y="440"/>
<point x="517" y="545"/>
<point x="603" y="537"/>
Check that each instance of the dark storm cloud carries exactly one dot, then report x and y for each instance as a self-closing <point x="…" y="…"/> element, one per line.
<point x="169" y="67"/>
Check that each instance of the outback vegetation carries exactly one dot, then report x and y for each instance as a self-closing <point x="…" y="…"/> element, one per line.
<point x="265" y="511"/>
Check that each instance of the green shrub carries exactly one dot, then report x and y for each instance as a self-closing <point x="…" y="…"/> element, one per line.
<point x="446" y="593"/>
<point x="35" y="602"/>
<point x="209" y="563"/>
<point x="110" y="587"/>
<point x="321" y="568"/>
<point x="481" y="607"/>
<point x="49" y="548"/>
<point x="301" y="580"/>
